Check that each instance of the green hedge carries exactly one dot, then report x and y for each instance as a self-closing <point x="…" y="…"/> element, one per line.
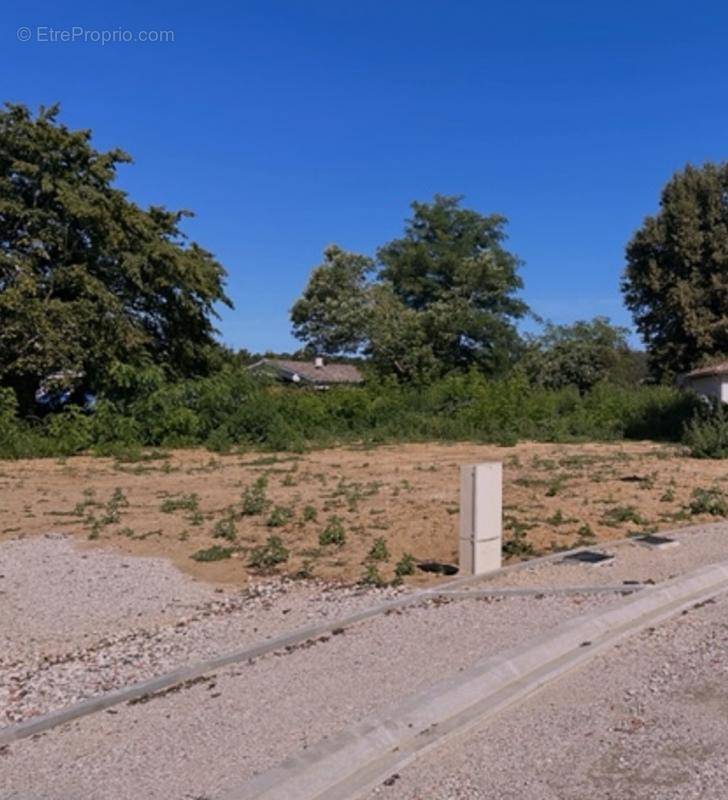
<point x="233" y="409"/>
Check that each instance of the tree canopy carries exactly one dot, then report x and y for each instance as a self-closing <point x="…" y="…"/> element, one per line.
<point x="582" y="355"/>
<point x="442" y="297"/>
<point x="88" y="279"/>
<point x="676" y="280"/>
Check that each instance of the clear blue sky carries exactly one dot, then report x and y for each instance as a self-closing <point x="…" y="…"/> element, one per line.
<point x="287" y="126"/>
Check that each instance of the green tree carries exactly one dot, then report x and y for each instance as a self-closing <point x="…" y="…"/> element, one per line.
<point x="441" y="298"/>
<point x="90" y="281"/>
<point x="331" y="315"/>
<point x="676" y="279"/>
<point x="580" y="355"/>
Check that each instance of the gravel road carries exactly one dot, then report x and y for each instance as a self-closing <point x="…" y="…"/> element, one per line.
<point x="200" y="739"/>
<point x="646" y="721"/>
<point x="101" y="620"/>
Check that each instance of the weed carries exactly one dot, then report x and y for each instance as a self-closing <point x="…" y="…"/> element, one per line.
<point x="371" y="576"/>
<point x="279" y="516"/>
<point x="214" y="553"/>
<point x="333" y="533"/>
<point x="379" y="550"/>
<point x="668" y="496"/>
<point x="405" y="566"/>
<point x="183" y="502"/>
<point x="709" y="501"/>
<point x="268" y="555"/>
<point x="255" y="501"/>
<point x="225" y="529"/>
<point x="309" y="514"/>
<point x="614" y="517"/>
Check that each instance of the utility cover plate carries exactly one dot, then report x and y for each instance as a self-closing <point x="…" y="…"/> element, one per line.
<point x="660" y="542"/>
<point x="591" y="557"/>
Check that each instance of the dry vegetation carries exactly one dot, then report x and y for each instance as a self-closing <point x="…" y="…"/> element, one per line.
<point x="352" y="514"/>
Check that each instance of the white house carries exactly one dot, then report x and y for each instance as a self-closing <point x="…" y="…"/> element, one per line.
<point x="709" y="381"/>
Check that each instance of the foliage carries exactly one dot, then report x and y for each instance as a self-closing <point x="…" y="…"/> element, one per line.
<point x="225" y="529"/>
<point x="440" y="298"/>
<point x="90" y="281"/>
<point x="709" y="501"/>
<point x="279" y="516"/>
<point x="676" y="281"/>
<point x="379" y="550"/>
<point x="214" y="553"/>
<point x="405" y="566"/>
<point x="706" y="435"/>
<point x="333" y="533"/>
<point x="268" y="555"/>
<point x="580" y="355"/>
<point x="232" y="409"/>
<point x="255" y="501"/>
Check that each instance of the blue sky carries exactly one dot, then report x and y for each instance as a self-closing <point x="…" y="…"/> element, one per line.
<point x="289" y="125"/>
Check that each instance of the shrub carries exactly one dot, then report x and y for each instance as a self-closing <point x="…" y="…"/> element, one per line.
<point x="254" y="498"/>
<point x="214" y="553"/>
<point x="333" y="533"/>
<point x="405" y="566"/>
<point x="225" y="529"/>
<point x="706" y="436"/>
<point x="268" y="555"/>
<point x="371" y="576"/>
<point x="186" y="502"/>
<point x="709" y="501"/>
<point x="279" y="516"/>
<point x="379" y="550"/>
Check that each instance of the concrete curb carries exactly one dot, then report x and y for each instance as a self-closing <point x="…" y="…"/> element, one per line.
<point x="44" y="722"/>
<point x="352" y="762"/>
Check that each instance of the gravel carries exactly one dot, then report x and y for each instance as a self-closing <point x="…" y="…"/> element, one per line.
<point x="698" y="546"/>
<point x="645" y="721"/>
<point x="57" y="646"/>
<point x="595" y="731"/>
<point x="200" y="739"/>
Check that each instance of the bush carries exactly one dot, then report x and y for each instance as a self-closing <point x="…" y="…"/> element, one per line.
<point x="268" y="555"/>
<point x="231" y="409"/>
<point x="706" y="436"/>
<point x="333" y="533"/>
<point x="709" y="501"/>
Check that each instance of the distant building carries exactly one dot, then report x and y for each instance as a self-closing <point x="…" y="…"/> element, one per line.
<point x="709" y="381"/>
<point x="317" y="374"/>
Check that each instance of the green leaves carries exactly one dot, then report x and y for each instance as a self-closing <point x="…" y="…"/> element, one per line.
<point x="441" y="298"/>
<point x="676" y="280"/>
<point x="88" y="279"/>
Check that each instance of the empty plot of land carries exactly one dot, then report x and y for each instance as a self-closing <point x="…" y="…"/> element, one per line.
<point x="350" y="513"/>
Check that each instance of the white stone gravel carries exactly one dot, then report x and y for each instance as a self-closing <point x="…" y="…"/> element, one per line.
<point x="699" y="545"/>
<point x="646" y="721"/>
<point x="76" y="623"/>
<point x="200" y="740"/>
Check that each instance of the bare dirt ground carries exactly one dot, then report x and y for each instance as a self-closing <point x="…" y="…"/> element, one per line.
<point x="180" y="504"/>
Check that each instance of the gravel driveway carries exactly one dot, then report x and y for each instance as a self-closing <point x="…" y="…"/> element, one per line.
<point x="646" y="721"/>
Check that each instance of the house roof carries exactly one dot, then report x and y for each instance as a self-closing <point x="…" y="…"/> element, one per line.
<point x="307" y="371"/>
<point x="714" y="369"/>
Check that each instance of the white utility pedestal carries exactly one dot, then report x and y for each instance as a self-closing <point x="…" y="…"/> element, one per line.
<point x="481" y="512"/>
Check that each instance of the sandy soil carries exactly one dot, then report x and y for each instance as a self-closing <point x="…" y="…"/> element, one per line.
<point x="172" y="505"/>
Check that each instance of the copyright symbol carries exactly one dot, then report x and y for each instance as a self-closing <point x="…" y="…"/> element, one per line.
<point x="24" y="34"/>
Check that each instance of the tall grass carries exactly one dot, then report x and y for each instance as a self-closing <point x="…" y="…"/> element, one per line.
<point x="233" y="409"/>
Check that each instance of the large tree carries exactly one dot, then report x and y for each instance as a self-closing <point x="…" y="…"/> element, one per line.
<point x="582" y="354"/>
<point x="676" y="280"/>
<point x="88" y="279"/>
<point x="442" y="297"/>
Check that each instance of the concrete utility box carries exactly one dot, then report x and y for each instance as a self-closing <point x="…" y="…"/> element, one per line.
<point x="481" y="513"/>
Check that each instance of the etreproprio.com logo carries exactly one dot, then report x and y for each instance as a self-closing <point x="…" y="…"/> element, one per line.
<point x="80" y="35"/>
